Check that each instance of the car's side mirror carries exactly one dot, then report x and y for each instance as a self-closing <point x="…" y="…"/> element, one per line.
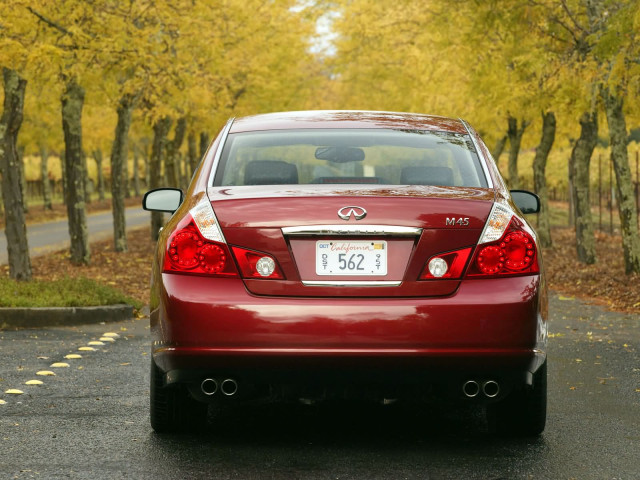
<point x="163" y="200"/>
<point x="526" y="201"/>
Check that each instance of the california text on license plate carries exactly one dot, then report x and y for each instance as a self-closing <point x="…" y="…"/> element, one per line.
<point x="356" y="257"/>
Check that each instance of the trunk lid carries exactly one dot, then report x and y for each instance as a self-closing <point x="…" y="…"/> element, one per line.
<point x="335" y="240"/>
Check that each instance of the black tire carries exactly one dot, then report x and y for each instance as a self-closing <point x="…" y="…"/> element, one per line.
<point x="524" y="412"/>
<point x="171" y="408"/>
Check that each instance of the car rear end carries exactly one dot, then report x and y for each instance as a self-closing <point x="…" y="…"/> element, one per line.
<point x="368" y="256"/>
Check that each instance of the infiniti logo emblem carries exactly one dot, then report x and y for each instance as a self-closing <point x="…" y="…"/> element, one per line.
<point x="345" y="213"/>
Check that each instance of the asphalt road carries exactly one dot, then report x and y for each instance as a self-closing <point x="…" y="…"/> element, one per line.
<point x="90" y="420"/>
<point x="53" y="236"/>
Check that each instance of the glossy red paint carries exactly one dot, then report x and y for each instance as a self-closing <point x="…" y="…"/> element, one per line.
<point x="497" y="318"/>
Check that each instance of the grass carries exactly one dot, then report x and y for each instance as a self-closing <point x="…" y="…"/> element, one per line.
<point x="64" y="292"/>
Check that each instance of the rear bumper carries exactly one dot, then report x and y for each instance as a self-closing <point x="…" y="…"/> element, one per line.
<point x="488" y="326"/>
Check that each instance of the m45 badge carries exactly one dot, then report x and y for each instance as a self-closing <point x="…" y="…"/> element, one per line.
<point x="461" y="222"/>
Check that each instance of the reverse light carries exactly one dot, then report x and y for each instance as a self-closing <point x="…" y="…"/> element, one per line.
<point x="438" y="267"/>
<point x="449" y="265"/>
<point x="266" y="266"/>
<point x="256" y="264"/>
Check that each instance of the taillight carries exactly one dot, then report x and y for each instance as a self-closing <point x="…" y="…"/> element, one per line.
<point x="514" y="253"/>
<point x="197" y="245"/>
<point x="189" y="252"/>
<point x="256" y="264"/>
<point x="448" y="265"/>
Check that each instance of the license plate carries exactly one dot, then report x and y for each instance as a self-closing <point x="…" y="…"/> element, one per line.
<point x="355" y="257"/>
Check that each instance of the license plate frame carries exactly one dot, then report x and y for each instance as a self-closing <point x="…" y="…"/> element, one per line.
<point x="351" y="258"/>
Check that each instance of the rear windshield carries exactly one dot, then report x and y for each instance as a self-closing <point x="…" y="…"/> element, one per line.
<point x="349" y="156"/>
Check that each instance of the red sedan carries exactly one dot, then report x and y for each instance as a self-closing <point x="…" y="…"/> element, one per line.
<point x="333" y="254"/>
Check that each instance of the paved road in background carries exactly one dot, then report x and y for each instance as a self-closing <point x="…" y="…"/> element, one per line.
<point x="52" y="236"/>
<point x="90" y="421"/>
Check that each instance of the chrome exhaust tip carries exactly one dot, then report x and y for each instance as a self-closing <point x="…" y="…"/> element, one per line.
<point x="229" y="387"/>
<point x="209" y="386"/>
<point x="471" y="389"/>
<point x="491" y="388"/>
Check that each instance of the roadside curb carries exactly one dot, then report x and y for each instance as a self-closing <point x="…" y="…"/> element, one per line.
<point x="15" y="318"/>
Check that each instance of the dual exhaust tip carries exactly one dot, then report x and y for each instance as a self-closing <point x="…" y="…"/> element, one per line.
<point x="228" y="387"/>
<point x="489" y="388"/>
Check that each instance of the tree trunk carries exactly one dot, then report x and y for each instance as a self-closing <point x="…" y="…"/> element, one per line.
<point x="192" y="154"/>
<point x="613" y="104"/>
<point x="118" y="183"/>
<point x="63" y="171"/>
<point x="160" y="131"/>
<point x="12" y="194"/>
<point x="539" y="178"/>
<point x="87" y="181"/>
<point x="580" y="160"/>
<point x="44" y="175"/>
<point x="204" y="143"/>
<point x="125" y="176"/>
<point x="172" y="161"/>
<point x="147" y="167"/>
<point x="515" y="137"/>
<point x="136" y="173"/>
<point x="72" y="102"/>
<point x="23" y="180"/>
<point x="499" y="148"/>
<point x="97" y="156"/>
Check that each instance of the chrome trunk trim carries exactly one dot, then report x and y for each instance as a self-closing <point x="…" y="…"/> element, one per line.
<point x="371" y="230"/>
<point x="350" y="283"/>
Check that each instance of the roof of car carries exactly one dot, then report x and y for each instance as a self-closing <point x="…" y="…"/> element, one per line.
<point x="346" y="119"/>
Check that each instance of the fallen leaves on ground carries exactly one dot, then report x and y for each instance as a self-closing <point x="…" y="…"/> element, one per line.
<point x="603" y="283"/>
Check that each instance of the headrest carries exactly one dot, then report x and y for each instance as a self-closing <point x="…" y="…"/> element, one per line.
<point x="427" y="176"/>
<point x="270" y="172"/>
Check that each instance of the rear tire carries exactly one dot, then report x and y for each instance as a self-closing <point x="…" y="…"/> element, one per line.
<point x="171" y="408"/>
<point x="524" y="412"/>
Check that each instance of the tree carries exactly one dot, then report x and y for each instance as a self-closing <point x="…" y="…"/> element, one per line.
<point x="118" y="160"/>
<point x="515" y="139"/>
<point x="624" y="186"/>
<point x="579" y="179"/>
<point x="161" y="129"/>
<point x="72" y="103"/>
<point x="12" y="194"/>
<point x="618" y="54"/>
<point x="539" y="177"/>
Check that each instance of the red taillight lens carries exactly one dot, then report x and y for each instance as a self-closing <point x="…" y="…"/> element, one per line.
<point x="514" y="254"/>
<point x="256" y="264"/>
<point x="188" y="252"/>
<point x="448" y="265"/>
